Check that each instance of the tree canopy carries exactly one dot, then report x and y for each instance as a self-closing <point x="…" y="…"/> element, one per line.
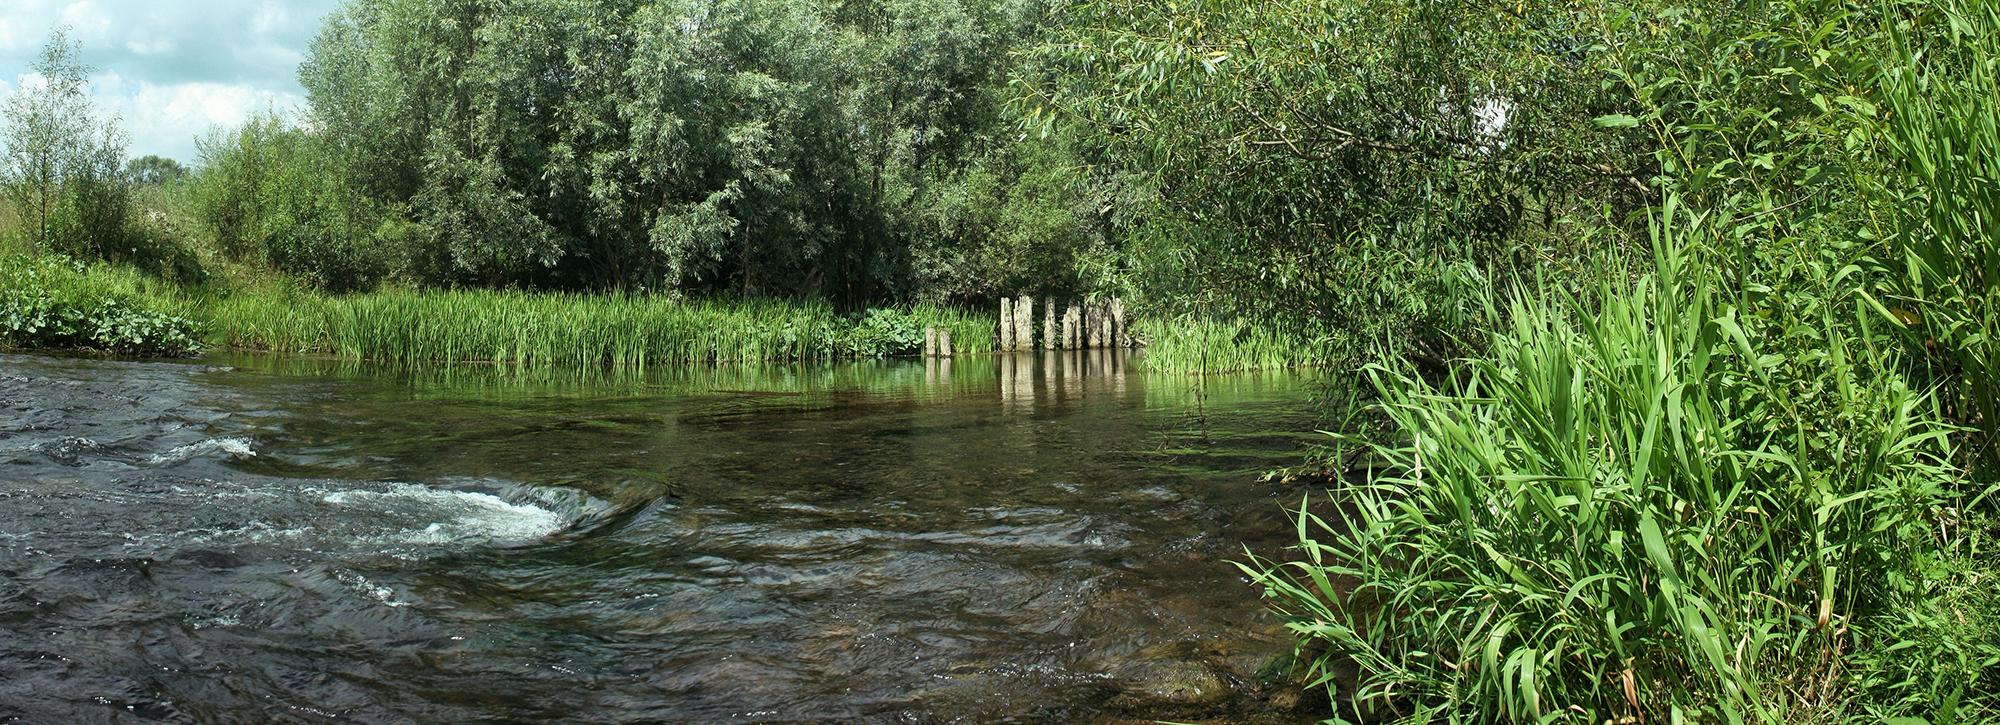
<point x="745" y="146"/>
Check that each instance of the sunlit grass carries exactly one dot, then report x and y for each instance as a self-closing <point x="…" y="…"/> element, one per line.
<point x="576" y="330"/>
<point x="1227" y="345"/>
<point x="1630" y="511"/>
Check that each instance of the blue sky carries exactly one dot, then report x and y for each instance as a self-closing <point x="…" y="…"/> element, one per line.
<point x="172" y="69"/>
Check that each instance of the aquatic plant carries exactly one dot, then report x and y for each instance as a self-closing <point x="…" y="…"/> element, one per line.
<point x="563" y="329"/>
<point x="1210" y="345"/>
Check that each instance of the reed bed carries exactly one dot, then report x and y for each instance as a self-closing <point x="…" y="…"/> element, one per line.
<point x="539" y="330"/>
<point x="1226" y="346"/>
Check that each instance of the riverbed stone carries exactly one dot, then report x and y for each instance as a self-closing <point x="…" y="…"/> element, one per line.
<point x="1151" y="684"/>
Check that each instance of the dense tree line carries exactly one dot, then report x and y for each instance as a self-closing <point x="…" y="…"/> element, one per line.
<point x="859" y="150"/>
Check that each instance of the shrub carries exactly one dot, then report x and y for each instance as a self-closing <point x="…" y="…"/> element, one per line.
<point x="277" y="192"/>
<point x="55" y="303"/>
<point x="1631" y="508"/>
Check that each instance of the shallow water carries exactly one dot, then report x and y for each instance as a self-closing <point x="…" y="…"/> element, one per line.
<point x="1035" y="538"/>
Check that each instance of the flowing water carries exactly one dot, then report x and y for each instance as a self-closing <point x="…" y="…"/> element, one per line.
<point x="1033" y="538"/>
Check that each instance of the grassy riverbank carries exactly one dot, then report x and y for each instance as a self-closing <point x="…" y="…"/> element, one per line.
<point x="53" y="302"/>
<point x="1640" y="507"/>
<point x="582" y="330"/>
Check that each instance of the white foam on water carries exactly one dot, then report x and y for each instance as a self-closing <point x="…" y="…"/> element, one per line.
<point x="378" y="592"/>
<point x="232" y="446"/>
<point x="445" y="516"/>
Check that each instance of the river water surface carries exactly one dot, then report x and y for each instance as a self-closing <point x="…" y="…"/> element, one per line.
<point x="1036" y="539"/>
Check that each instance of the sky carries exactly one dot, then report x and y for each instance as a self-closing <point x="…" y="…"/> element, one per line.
<point x="172" y="70"/>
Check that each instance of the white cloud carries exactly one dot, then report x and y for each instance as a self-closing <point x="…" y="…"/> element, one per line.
<point x="167" y="118"/>
<point x="270" y="16"/>
<point x="173" y="69"/>
<point x="87" y="21"/>
<point x="151" y="46"/>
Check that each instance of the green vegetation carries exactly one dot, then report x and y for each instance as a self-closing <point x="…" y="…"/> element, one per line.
<point x="1942" y="102"/>
<point x="1679" y="318"/>
<point x="1627" y="509"/>
<point x="1745" y="477"/>
<point x="52" y="302"/>
<point x="588" y="331"/>
<point x="1199" y="344"/>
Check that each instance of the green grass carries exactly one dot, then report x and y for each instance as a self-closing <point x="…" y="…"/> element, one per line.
<point x="1227" y="345"/>
<point x="1942" y="97"/>
<point x="1630" y="508"/>
<point x="533" y="330"/>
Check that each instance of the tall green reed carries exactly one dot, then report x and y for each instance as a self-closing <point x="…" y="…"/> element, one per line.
<point x="1224" y="345"/>
<point x="1629" y="508"/>
<point x="1941" y="88"/>
<point x="533" y="330"/>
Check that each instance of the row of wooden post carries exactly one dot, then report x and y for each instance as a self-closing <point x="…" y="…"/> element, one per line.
<point x="1085" y="326"/>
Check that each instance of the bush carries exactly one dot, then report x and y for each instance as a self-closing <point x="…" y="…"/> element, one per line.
<point x="1631" y="509"/>
<point x="277" y="192"/>
<point x="55" y="303"/>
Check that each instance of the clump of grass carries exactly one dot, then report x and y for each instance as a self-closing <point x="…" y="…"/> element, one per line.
<point x="55" y="303"/>
<point x="579" y="330"/>
<point x="1211" y="345"/>
<point x="1627" y="512"/>
<point x="1942" y="92"/>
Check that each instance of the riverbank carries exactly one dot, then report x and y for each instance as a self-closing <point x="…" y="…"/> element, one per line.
<point x="53" y="302"/>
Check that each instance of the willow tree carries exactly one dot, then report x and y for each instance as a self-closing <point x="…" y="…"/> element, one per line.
<point x="61" y="169"/>
<point x="751" y="147"/>
<point x="1347" y="169"/>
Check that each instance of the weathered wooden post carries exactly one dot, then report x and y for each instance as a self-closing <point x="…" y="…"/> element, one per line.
<point x="1093" y="337"/>
<point x="930" y="342"/>
<point x="1105" y="325"/>
<point x="1024" y="323"/>
<point x="1073" y="325"/>
<point x="1006" y="324"/>
<point x="944" y="342"/>
<point x="1049" y="341"/>
<point x="1121" y="337"/>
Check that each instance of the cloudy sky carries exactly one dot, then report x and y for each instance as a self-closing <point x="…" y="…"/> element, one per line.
<point x="172" y="69"/>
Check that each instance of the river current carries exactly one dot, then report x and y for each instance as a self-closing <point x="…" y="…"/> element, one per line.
<point x="1031" y="538"/>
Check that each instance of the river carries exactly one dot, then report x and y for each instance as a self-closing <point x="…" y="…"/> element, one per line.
<point x="247" y="539"/>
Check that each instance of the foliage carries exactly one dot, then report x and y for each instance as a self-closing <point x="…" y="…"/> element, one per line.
<point x="155" y="170"/>
<point x="1941" y="101"/>
<point x="537" y="330"/>
<point x="757" y="147"/>
<point x="62" y="170"/>
<point x="272" y="192"/>
<point x="1336" y="166"/>
<point x="1628" y="510"/>
<point x="50" y="302"/>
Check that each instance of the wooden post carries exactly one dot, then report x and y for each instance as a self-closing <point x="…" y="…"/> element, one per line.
<point x="1049" y="341"/>
<point x="930" y="342"/>
<point x="1024" y="323"/>
<point x="1105" y="325"/>
<point x="1121" y="337"/>
<point x="1093" y="339"/>
<point x="1006" y="324"/>
<point x="1073" y="323"/>
<point x="944" y="342"/>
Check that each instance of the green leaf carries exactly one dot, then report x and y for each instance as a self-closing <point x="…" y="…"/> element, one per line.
<point x="1617" y="120"/>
